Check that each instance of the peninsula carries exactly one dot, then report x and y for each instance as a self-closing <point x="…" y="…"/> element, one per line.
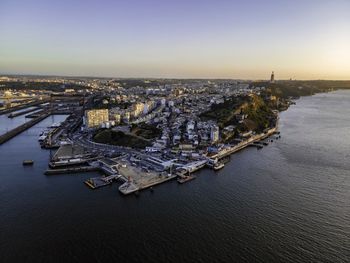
<point x="143" y="132"/>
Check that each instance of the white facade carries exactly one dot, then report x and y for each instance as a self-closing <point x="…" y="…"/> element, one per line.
<point x="95" y="118"/>
<point x="214" y="134"/>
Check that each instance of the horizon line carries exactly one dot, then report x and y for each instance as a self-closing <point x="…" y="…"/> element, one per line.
<point x="161" y="78"/>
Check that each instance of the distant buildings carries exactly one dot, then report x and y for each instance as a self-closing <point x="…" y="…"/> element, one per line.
<point x="214" y="134"/>
<point x="117" y="118"/>
<point x="146" y="108"/>
<point x="138" y="109"/>
<point x="69" y="91"/>
<point x="126" y="117"/>
<point x="272" y="79"/>
<point x="190" y="126"/>
<point x="95" y="118"/>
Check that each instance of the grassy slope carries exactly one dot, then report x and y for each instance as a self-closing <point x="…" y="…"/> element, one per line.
<point x="146" y="131"/>
<point x="259" y="114"/>
<point x="119" y="138"/>
<point x="224" y="113"/>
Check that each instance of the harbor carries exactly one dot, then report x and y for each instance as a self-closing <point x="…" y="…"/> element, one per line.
<point x="215" y="200"/>
<point x="136" y="171"/>
<point x="73" y="149"/>
<point x="133" y="170"/>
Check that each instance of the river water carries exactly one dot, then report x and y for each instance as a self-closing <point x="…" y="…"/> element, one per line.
<point x="289" y="202"/>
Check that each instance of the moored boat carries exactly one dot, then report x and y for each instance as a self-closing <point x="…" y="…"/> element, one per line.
<point x="28" y="162"/>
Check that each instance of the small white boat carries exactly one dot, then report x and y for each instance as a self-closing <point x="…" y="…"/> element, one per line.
<point x="55" y="125"/>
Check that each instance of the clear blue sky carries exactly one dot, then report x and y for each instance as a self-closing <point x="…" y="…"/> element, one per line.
<point x="307" y="39"/>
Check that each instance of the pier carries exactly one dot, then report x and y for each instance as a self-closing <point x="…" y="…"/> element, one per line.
<point x="232" y="149"/>
<point x="130" y="187"/>
<point x="98" y="182"/>
<point x="71" y="170"/>
<point x="34" y="114"/>
<point x="19" y="113"/>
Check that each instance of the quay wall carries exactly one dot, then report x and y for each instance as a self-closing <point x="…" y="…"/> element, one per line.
<point x="244" y="144"/>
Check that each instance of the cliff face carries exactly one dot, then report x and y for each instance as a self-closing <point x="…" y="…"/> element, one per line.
<point x="246" y="113"/>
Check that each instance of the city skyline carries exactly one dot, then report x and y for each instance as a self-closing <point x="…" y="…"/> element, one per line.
<point x="186" y="39"/>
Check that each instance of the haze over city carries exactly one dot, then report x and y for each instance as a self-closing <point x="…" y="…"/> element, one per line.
<point x="176" y="39"/>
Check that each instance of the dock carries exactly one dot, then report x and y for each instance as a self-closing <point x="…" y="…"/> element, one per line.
<point x="19" y="113"/>
<point x="71" y="170"/>
<point x="97" y="182"/>
<point x="71" y="155"/>
<point x="34" y="114"/>
<point x="128" y="188"/>
<point x="69" y="151"/>
<point x="243" y="144"/>
<point x="71" y="162"/>
<point x="131" y="187"/>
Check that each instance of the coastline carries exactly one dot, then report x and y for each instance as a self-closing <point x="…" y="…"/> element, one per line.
<point x="267" y="199"/>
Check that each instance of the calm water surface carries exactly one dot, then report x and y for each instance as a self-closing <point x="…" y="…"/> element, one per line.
<point x="289" y="202"/>
<point x="7" y="124"/>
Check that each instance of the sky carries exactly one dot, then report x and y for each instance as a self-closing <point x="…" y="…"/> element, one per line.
<point x="299" y="39"/>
